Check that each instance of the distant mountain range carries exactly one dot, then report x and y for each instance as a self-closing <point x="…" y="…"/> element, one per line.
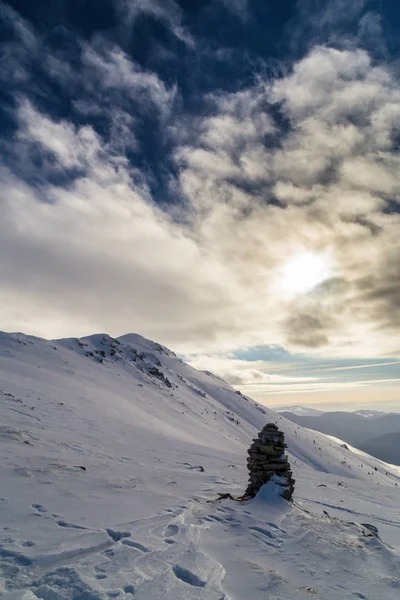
<point x="374" y="432"/>
<point x="369" y="413"/>
<point x="385" y="447"/>
<point x="304" y="411"/>
<point x="307" y="411"/>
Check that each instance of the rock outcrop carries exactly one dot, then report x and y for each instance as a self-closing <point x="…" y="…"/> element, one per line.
<point x="267" y="460"/>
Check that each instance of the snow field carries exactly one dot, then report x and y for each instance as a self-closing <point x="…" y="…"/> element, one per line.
<point x="112" y="456"/>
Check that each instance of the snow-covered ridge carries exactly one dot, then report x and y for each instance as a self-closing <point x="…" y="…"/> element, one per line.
<point x="111" y="450"/>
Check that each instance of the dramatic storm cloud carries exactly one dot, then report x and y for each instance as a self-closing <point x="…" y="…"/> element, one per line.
<point x="167" y="170"/>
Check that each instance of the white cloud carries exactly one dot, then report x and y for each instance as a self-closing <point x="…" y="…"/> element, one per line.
<point x="72" y="147"/>
<point x="334" y="170"/>
<point x="242" y="372"/>
<point x="98" y="254"/>
<point x="110" y="69"/>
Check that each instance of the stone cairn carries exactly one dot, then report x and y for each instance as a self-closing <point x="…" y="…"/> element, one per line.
<point x="267" y="460"/>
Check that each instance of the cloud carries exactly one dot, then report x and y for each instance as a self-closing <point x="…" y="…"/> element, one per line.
<point x="110" y="70"/>
<point x="96" y="248"/>
<point x="242" y="372"/>
<point x="71" y="147"/>
<point x="240" y="8"/>
<point x="305" y="162"/>
<point x="338" y="380"/>
<point x="306" y="330"/>
<point x="310" y="388"/>
<point x="332" y="23"/>
<point x="165" y="11"/>
<point x="334" y="171"/>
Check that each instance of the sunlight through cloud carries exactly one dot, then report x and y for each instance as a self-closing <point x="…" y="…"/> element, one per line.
<point x="304" y="272"/>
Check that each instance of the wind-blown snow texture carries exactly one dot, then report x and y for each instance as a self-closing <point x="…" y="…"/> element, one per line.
<point x="111" y="453"/>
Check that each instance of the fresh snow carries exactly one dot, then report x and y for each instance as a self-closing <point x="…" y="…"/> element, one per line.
<point x="113" y="453"/>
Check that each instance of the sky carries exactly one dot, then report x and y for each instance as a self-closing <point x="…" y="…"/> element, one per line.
<point x="222" y="176"/>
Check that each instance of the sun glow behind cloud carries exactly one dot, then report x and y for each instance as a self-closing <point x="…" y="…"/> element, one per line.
<point x="304" y="272"/>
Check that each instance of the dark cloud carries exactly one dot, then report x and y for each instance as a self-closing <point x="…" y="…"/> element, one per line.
<point x="380" y="292"/>
<point x="307" y="331"/>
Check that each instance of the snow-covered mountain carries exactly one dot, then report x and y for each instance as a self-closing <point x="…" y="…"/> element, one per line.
<point x="113" y="452"/>
<point x="370" y="414"/>
<point x="305" y="411"/>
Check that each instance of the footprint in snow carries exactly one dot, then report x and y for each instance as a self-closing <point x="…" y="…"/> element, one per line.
<point x="168" y="531"/>
<point x="171" y="530"/>
<point x="135" y="545"/>
<point x="214" y="518"/>
<point x="129" y="589"/>
<point x="62" y="523"/>
<point x="21" y="543"/>
<point x="263" y="531"/>
<point x="39" y="508"/>
<point x="14" y="558"/>
<point x="279" y="530"/>
<point x="227" y="509"/>
<point x="118" y="535"/>
<point x="188" y="577"/>
<point x="99" y="569"/>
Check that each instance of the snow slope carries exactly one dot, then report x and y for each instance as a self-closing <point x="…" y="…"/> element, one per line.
<point x="112" y="456"/>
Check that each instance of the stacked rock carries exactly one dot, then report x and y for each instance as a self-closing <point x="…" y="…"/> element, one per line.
<point x="266" y="460"/>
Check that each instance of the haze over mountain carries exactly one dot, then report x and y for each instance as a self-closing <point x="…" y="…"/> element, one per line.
<point x="385" y="447"/>
<point x="365" y="412"/>
<point x="309" y="411"/>
<point x="372" y="431"/>
<point x="113" y="455"/>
